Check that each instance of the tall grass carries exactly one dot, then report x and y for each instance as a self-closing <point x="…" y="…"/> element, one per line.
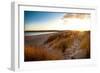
<point x="37" y="53"/>
<point x="59" y="46"/>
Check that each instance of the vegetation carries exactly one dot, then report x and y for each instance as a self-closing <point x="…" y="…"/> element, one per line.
<point x="58" y="46"/>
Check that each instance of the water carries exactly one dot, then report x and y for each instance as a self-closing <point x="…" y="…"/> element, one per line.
<point x="36" y="33"/>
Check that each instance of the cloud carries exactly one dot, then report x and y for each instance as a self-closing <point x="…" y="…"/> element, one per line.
<point x="77" y="15"/>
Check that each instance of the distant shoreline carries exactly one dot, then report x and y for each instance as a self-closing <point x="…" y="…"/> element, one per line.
<point x="44" y="30"/>
<point x="51" y="30"/>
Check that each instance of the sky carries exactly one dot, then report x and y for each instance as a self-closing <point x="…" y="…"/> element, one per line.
<point x="34" y="17"/>
<point x="38" y="20"/>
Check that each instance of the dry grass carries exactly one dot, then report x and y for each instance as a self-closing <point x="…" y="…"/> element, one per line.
<point x="60" y="46"/>
<point x="41" y="53"/>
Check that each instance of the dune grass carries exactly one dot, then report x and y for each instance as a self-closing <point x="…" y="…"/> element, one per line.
<point x="58" y="46"/>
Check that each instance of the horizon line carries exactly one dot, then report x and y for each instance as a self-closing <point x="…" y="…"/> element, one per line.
<point x="51" y="30"/>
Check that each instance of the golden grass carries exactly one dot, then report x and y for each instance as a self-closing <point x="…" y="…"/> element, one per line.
<point x="60" y="45"/>
<point x="41" y="53"/>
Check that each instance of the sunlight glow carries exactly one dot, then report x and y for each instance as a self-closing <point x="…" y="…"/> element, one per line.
<point x="65" y="24"/>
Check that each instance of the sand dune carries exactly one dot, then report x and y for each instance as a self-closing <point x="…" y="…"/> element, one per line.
<point x="57" y="46"/>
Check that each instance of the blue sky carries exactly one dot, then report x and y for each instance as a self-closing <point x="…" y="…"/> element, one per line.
<point x="39" y="20"/>
<point x="34" y="17"/>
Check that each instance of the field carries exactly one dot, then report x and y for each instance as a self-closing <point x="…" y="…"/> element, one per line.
<point x="61" y="45"/>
